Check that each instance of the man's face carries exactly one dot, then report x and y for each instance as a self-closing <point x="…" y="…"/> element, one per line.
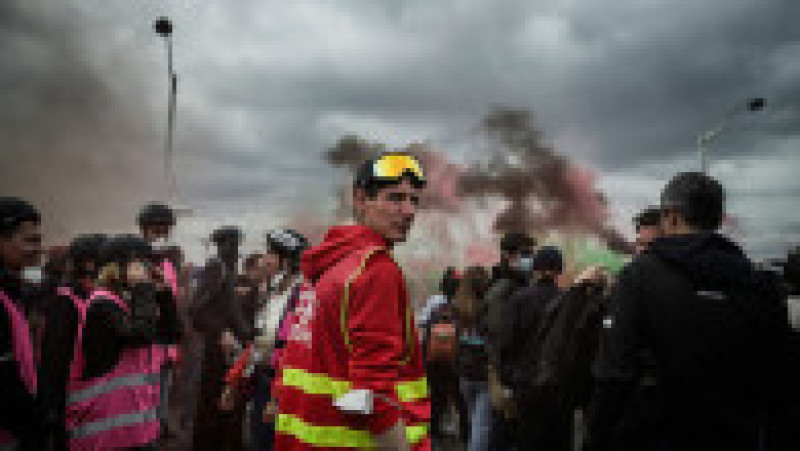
<point x="512" y="257"/>
<point x="155" y="232"/>
<point x="645" y="235"/>
<point x="391" y="212"/>
<point x="23" y="248"/>
<point x="257" y="271"/>
<point x="271" y="263"/>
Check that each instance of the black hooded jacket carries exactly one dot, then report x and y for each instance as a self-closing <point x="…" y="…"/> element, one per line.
<point x="19" y="413"/>
<point x="713" y="325"/>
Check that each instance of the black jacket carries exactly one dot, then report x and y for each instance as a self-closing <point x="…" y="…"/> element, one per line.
<point x="19" y="411"/>
<point x="711" y="323"/>
<point x="500" y="313"/>
<point x="525" y="311"/>
<point x="58" y="343"/>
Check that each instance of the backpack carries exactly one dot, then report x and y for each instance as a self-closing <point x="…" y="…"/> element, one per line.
<point x="568" y="337"/>
<point x="442" y="342"/>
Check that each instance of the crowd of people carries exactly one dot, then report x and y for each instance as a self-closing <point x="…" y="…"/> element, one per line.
<point x="116" y="343"/>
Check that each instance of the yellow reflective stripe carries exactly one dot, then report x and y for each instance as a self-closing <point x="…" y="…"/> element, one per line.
<point x="416" y="433"/>
<point x="343" y="312"/>
<point x="338" y="436"/>
<point x="315" y="384"/>
<point x="331" y="436"/>
<point x="412" y="390"/>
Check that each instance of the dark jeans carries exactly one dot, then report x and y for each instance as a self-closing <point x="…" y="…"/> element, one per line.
<point x="501" y="435"/>
<point x="444" y="391"/>
<point x="262" y="435"/>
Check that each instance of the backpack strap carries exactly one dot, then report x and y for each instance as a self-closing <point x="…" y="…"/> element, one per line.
<point x="103" y="293"/>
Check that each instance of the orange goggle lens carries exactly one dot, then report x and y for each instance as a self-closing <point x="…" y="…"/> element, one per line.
<point x="394" y="166"/>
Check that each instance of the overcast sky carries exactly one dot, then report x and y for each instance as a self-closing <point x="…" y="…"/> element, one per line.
<point x="620" y="86"/>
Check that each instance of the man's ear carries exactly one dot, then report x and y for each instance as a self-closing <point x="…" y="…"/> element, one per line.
<point x="360" y="196"/>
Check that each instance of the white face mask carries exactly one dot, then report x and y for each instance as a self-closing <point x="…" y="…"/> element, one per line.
<point x="161" y="244"/>
<point x="524" y="264"/>
<point x="33" y="275"/>
<point x="277" y="279"/>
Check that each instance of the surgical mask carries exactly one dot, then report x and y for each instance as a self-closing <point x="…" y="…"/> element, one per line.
<point x="161" y="244"/>
<point x="33" y="275"/>
<point x="524" y="264"/>
<point x="277" y="279"/>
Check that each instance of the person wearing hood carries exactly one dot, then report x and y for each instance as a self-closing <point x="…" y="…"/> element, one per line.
<point x="712" y="324"/>
<point x="219" y="316"/>
<point x="20" y="247"/>
<point x="352" y="372"/>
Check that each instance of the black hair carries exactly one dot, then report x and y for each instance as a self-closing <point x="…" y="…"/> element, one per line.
<point x="791" y="270"/>
<point x="87" y="248"/>
<point x="227" y="233"/>
<point x="516" y="241"/>
<point x="449" y="283"/>
<point x="697" y="197"/>
<point x="156" y="213"/>
<point x="649" y="217"/>
<point x="125" y="248"/>
<point x="13" y="213"/>
<point x="548" y="258"/>
<point x="365" y="178"/>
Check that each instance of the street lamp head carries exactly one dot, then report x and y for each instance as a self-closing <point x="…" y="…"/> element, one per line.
<point x="163" y="27"/>
<point x="756" y="104"/>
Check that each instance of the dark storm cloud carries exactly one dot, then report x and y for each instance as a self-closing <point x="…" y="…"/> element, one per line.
<point x="69" y="143"/>
<point x="266" y="87"/>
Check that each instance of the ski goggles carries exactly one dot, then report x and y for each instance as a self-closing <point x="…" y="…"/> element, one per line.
<point x="394" y="166"/>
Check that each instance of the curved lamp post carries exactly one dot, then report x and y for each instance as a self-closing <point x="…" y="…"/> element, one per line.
<point x="703" y="139"/>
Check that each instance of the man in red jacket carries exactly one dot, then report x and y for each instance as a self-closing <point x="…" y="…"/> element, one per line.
<point x="352" y="374"/>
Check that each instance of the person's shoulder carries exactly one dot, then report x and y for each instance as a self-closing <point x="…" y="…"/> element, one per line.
<point x="380" y="264"/>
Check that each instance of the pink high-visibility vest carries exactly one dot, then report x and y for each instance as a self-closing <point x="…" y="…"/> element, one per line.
<point x="119" y="408"/>
<point x="22" y="350"/>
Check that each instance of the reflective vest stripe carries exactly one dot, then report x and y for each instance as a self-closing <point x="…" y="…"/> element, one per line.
<point x="345" y="307"/>
<point x="314" y="384"/>
<point x="131" y="380"/>
<point x="338" y="436"/>
<point x="332" y="436"/>
<point x="412" y="390"/>
<point x="320" y="384"/>
<point x="416" y="433"/>
<point x="115" y="422"/>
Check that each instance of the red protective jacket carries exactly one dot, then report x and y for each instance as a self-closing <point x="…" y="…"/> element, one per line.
<point x="352" y="329"/>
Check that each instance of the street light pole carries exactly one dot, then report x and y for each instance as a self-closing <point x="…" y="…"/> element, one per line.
<point x="704" y="138"/>
<point x="163" y="26"/>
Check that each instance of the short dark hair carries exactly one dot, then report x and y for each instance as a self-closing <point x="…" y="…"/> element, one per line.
<point x="450" y="282"/>
<point x="516" y="241"/>
<point x="548" y="258"/>
<point x="227" y="234"/>
<point x="697" y="197"/>
<point x="13" y="213"/>
<point x="154" y="214"/>
<point x="649" y="217"/>
<point x="791" y="270"/>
